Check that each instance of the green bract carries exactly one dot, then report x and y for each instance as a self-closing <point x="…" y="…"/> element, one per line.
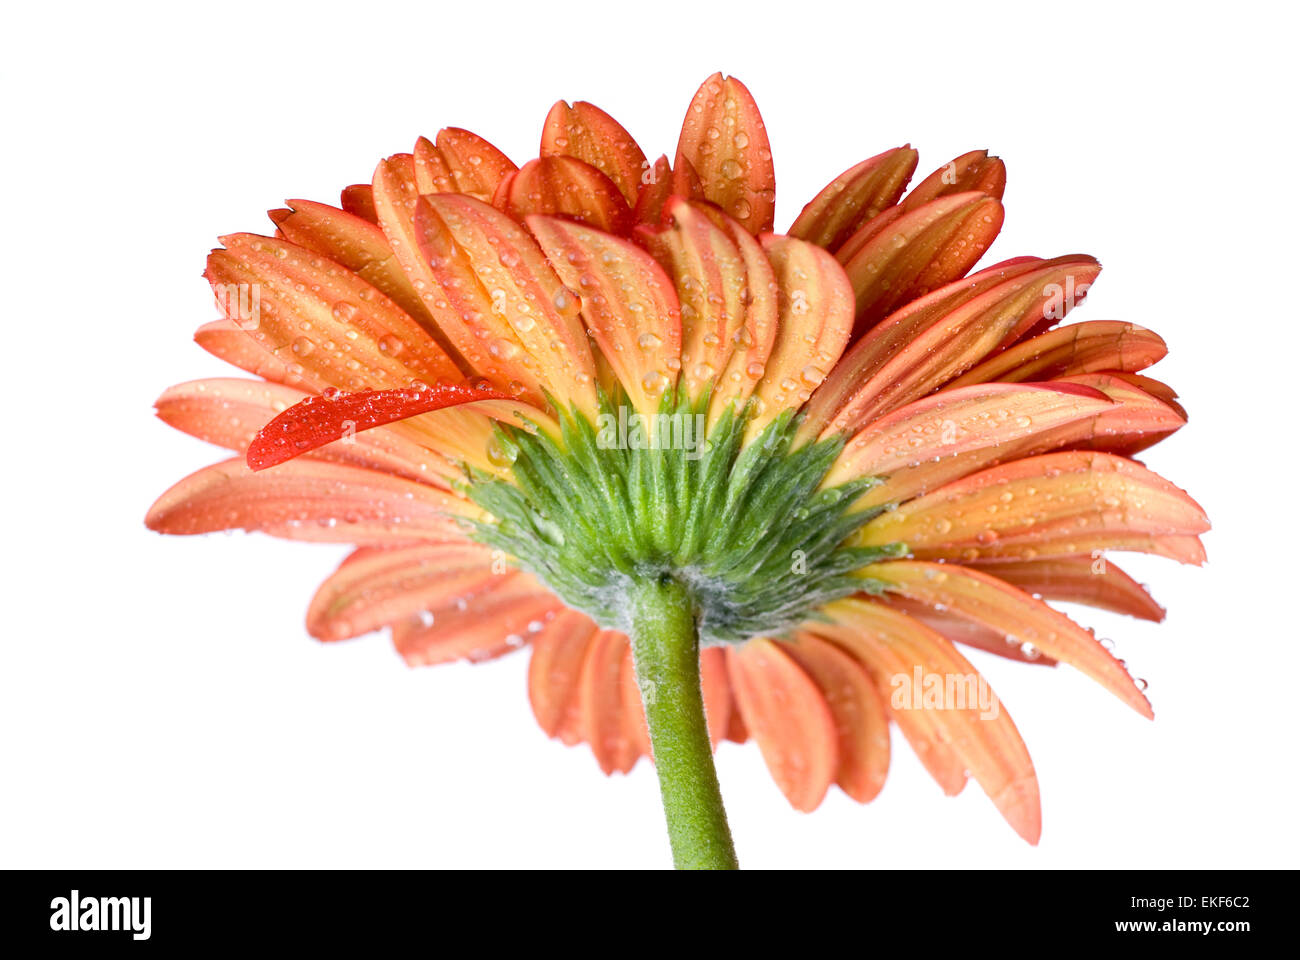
<point x="742" y="527"/>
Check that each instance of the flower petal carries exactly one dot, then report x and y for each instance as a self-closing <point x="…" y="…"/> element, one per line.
<point x="855" y="197"/>
<point x="724" y="141"/>
<point x="460" y="162"/>
<point x="716" y="684"/>
<point x="627" y="304"/>
<point x="656" y="188"/>
<point x="230" y="412"/>
<point x="375" y="587"/>
<point x="860" y="722"/>
<point x="816" y="315"/>
<point x="1134" y="420"/>
<point x="1094" y="581"/>
<point x="1087" y="347"/>
<point x="1041" y="506"/>
<point x="634" y="721"/>
<point x="789" y="718"/>
<point x="316" y="421"/>
<point x="492" y="622"/>
<point x="489" y="266"/>
<point x="587" y="133"/>
<point x="309" y="500"/>
<point x="710" y="280"/>
<point x="359" y="200"/>
<point x="892" y="263"/>
<point x="601" y="702"/>
<point x="898" y="647"/>
<point x="954" y="422"/>
<point x="994" y="603"/>
<point x="971" y="171"/>
<point x="328" y="324"/>
<point x="892" y="371"/>
<point x="566" y="187"/>
<point x="227" y="341"/>
<point x="555" y="671"/>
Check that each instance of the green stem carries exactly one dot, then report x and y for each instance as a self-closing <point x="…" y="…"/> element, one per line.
<point x="666" y="649"/>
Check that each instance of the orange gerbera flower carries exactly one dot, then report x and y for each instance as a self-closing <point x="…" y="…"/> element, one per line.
<point x="725" y="483"/>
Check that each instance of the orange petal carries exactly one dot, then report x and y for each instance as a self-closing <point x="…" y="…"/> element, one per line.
<point x="492" y="622"/>
<point x="230" y="412"/>
<point x="587" y="133"/>
<point x="491" y="268"/>
<point x="374" y="587"/>
<point x="1133" y="421"/>
<point x="816" y="315"/>
<point x="362" y="247"/>
<point x="854" y="198"/>
<point x="1095" y="581"/>
<point x="600" y="698"/>
<point x="955" y="341"/>
<point x="1087" y="347"/>
<point x="860" y="722"/>
<point x="566" y="187"/>
<point x="1021" y="509"/>
<point x="627" y="302"/>
<point x="710" y="279"/>
<point x="656" y="188"/>
<point x="955" y="422"/>
<point x="460" y="162"/>
<point x="918" y="252"/>
<point x="1017" y="616"/>
<point x="227" y="341"/>
<point x="325" y="322"/>
<point x="971" y="171"/>
<point x="980" y="733"/>
<point x="559" y="651"/>
<point x="309" y="500"/>
<point x="724" y="140"/>
<point x="789" y="718"/>
<point x="716" y="685"/>
<point x="359" y="200"/>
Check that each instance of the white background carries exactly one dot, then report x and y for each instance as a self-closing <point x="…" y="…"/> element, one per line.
<point x="160" y="702"/>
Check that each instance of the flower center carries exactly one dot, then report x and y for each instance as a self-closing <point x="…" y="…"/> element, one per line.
<point x="745" y="527"/>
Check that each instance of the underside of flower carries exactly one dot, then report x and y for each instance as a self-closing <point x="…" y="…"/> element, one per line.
<point x="726" y="484"/>
<point x="749" y="531"/>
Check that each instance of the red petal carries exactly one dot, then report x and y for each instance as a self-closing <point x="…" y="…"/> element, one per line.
<point x="317" y="421"/>
<point x="1095" y="581"/>
<point x="1088" y="347"/>
<point x="460" y="162"/>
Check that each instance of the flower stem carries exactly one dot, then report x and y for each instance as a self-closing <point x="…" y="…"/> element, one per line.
<point x="666" y="650"/>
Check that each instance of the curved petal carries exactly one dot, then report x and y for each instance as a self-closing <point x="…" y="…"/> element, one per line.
<point x="716" y="684"/>
<point x="309" y="500"/>
<point x="555" y="671"/>
<point x="1028" y="507"/>
<point x="1094" y="581"/>
<point x="965" y="713"/>
<point x="460" y="162"/>
<point x="375" y="587"/>
<point x="566" y="187"/>
<point x="893" y="261"/>
<point x="789" y="718"/>
<point x="602" y="704"/>
<point x="492" y="622"/>
<point x="724" y="141"/>
<point x="587" y="133"/>
<point x="854" y="198"/>
<point x="860" y="722"/>
<point x="971" y="171"/>
<point x="1017" y="616"/>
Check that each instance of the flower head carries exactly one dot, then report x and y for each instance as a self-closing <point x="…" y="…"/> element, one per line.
<point x="533" y="396"/>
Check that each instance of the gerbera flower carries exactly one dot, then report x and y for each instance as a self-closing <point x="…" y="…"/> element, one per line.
<point x="724" y="483"/>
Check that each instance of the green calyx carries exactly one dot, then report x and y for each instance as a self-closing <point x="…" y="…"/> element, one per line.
<point x="743" y="528"/>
